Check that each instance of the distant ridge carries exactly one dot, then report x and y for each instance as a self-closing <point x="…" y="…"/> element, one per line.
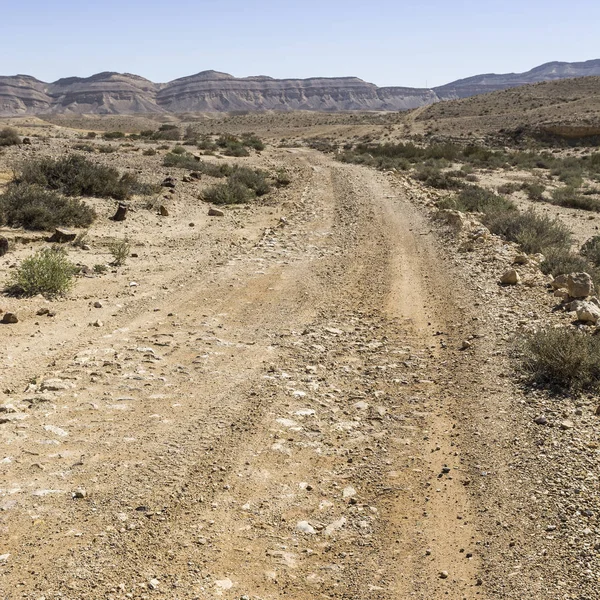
<point x="212" y="91"/>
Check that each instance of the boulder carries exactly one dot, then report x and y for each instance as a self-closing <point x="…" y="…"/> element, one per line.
<point x="3" y="246"/>
<point x="511" y="277"/>
<point x="163" y="211"/>
<point x="454" y="218"/>
<point x="560" y="282"/>
<point x="9" y="318"/>
<point x="215" y="212"/>
<point x="580" y="285"/>
<point x="588" y="313"/>
<point x="521" y="259"/>
<point x="62" y="236"/>
<point x="168" y="182"/>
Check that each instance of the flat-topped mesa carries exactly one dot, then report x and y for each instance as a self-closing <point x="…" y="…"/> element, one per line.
<point x="213" y="91"/>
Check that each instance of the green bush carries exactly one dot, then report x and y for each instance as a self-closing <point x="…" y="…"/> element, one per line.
<point x="75" y="175"/>
<point x="534" y="190"/>
<point x="9" y="137"/>
<point x="33" y="207"/>
<point x="48" y="272"/>
<point x="120" y="250"/>
<point x="533" y="232"/>
<point x="473" y="198"/>
<point x="255" y="180"/>
<point x="167" y="132"/>
<point x="564" y="358"/>
<point x="434" y="178"/>
<point x="232" y="192"/>
<point x="114" y="135"/>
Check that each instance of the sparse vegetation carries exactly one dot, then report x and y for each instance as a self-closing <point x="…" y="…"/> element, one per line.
<point x="243" y="185"/>
<point x="187" y="161"/>
<point x="9" y="137"/>
<point x="75" y="175"/>
<point x="120" y="250"/>
<point x="48" y="272"/>
<point x="33" y="207"/>
<point x="563" y="358"/>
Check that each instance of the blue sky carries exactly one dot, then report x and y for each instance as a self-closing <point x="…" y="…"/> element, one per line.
<point x="388" y="43"/>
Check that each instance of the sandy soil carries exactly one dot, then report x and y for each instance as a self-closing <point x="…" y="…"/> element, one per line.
<point x="276" y="409"/>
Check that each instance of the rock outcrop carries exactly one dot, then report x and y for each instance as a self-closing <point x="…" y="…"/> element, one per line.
<point x="211" y="91"/>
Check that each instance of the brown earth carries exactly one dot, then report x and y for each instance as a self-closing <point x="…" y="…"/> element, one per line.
<point x="276" y="403"/>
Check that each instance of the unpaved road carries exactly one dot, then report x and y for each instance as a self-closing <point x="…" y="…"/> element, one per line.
<point x="279" y="424"/>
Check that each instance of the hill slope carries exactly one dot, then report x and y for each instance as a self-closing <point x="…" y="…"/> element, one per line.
<point x="211" y="91"/>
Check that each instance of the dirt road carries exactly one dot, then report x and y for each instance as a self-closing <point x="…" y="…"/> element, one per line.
<point x="279" y="423"/>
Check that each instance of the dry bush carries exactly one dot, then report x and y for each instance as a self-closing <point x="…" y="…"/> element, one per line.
<point x="564" y="358"/>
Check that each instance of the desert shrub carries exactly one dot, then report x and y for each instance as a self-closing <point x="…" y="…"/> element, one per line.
<point x="564" y="358"/>
<point x="9" y="137"/>
<point x="254" y="180"/>
<point x="120" y="250"/>
<point x="178" y="150"/>
<point x="435" y="178"/>
<point x="473" y="198"/>
<point x="75" y="175"/>
<point x="149" y="152"/>
<point x="48" y="272"/>
<point x="558" y="261"/>
<point x="570" y="198"/>
<point x="187" y="161"/>
<point x="167" y="132"/>
<point x="532" y="231"/>
<point x="33" y="207"/>
<point x="114" y="135"/>
<point x="107" y="149"/>
<point x="84" y="147"/>
<point x="591" y="250"/>
<point x="509" y="188"/>
<point x="99" y="268"/>
<point x="231" y="192"/>
<point x="91" y="135"/>
<point x="250" y="140"/>
<point x="206" y="143"/>
<point x="282" y="178"/>
<point x="534" y="190"/>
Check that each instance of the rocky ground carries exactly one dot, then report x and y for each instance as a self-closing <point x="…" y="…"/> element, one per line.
<point x="310" y="398"/>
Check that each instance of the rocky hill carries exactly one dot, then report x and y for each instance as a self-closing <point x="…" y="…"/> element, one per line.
<point x="211" y="91"/>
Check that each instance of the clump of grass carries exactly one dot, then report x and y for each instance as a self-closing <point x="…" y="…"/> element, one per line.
<point x="120" y="250"/>
<point x="99" y="268"/>
<point x="35" y="208"/>
<point x="76" y="175"/>
<point x="48" y="272"/>
<point x="149" y="152"/>
<point x="563" y="358"/>
<point x="84" y="147"/>
<point x="9" y="137"/>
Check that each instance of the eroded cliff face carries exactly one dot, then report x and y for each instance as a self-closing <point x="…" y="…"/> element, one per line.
<point x="210" y="91"/>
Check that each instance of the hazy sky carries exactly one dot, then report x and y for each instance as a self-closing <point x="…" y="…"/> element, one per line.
<point x="383" y="41"/>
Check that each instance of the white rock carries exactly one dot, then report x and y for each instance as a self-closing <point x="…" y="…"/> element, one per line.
<point x="588" y="313"/>
<point x="305" y="527"/>
<point x="349" y="492"/>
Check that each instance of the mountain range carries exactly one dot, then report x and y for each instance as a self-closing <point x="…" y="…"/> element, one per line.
<point x="211" y="91"/>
